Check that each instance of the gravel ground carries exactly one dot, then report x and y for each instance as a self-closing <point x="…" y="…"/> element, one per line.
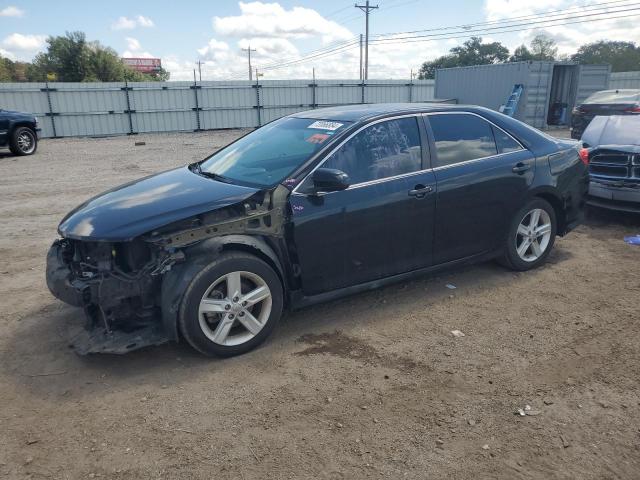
<point x="373" y="386"/>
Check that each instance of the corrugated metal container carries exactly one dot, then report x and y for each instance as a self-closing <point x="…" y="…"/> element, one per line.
<point x="624" y="80"/>
<point x="551" y="89"/>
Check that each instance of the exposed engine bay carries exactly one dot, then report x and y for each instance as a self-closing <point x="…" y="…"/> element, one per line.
<point x="120" y="284"/>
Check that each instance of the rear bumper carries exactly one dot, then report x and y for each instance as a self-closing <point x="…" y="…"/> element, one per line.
<point x="626" y="199"/>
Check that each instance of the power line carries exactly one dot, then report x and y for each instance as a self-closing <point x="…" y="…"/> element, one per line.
<point x="481" y="31"/>
<point x="466" y="33"/>
<point x="467" y="26"/>
<point x="420" y="38"/>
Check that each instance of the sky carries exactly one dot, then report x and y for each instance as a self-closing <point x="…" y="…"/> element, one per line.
<point x="216" y="31"/>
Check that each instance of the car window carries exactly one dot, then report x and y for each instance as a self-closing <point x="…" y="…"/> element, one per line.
<point x="614" y="96"/>
<point x="504" y="142"/>
<point x="383" y="150"/>
<point x="461" y="137"/>
<point x="269" y="154"/>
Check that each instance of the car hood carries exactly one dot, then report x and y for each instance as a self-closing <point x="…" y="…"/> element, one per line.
<point x="149" y="203"/>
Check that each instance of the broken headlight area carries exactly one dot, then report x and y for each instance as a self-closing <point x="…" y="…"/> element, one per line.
<point x="117" y="285"/>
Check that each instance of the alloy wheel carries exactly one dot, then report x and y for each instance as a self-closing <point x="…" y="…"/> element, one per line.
<point x="533" y="235"/>
<point x="235" y="308"/>
<point x="26" y="142"/>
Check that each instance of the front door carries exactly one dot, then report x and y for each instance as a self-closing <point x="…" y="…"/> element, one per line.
<point x="382" y="224"/>
<point x="483" y="175"/>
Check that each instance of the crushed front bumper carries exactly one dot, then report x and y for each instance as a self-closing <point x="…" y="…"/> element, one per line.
<point x="101" y="334"/>
<point x="615" y="196"/>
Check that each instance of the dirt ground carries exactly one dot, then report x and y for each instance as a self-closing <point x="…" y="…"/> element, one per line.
<point x="373" y="386"/>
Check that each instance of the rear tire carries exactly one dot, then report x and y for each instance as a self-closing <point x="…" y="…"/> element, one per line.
<point x="231" y="306"/>
<point x="531" y="236"/>
<point x="23" y="141"/>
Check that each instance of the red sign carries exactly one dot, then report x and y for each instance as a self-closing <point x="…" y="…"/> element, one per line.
<point x="144" y="65"/>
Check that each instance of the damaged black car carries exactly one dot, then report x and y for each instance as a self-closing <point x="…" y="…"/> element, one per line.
<point x="308" y="208"/>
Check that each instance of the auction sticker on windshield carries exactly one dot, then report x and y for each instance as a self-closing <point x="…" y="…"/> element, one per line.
<point x="324" y="125"/>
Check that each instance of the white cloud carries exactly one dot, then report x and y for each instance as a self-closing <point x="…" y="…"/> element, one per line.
<point x="500" y="9"/>
<point x="144" y="21"/>
<point x="135" y="50"/>
<point x="126" y="23"/>
<point x="567" y="37"/>
<point x="271" y="20"/>
<point x="7" y="54"/>
<point x="18" y="41"/>
<point x="11" y="11"/>
<point x="214" y="50"/>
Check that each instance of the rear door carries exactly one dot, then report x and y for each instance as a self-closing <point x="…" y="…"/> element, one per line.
<point x="483" y="175"/>
<point x="382" y="224"/>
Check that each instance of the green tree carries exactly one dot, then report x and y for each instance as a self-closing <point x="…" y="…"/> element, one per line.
<point x="623" y="56"/>
<point x="70" y="58"/>
<point x="543" y="48"/>
<point x="521" y="54"/>
<point x="471" y="52"/>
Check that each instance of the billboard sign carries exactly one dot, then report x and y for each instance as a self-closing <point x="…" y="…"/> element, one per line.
<point x="144" y="65"/>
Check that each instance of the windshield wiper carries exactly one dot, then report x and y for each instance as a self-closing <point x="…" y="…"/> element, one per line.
<point x="214" y="176"/>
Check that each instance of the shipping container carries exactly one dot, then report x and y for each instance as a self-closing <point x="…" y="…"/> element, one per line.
<point x="550" y="89"/>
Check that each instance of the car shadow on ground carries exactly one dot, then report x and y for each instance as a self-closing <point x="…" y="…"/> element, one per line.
<point x="601" y="217"/>
<point x="39" y="358"/>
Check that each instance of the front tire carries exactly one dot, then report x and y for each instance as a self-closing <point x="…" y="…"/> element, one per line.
<point x="23" y="141"/>
<point x="231" y="306"/>
<point x="531" y="236"/>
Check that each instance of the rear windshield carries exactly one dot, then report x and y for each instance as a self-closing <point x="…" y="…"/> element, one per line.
<point x="269" y="154"/>
<point x="614" y="96"/>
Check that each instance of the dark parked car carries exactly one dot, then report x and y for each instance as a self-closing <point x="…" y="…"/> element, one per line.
<point x="308" y="208"/>
<point x="612" y="146"/>
<point x="606" y="102"/>
<point x="18" y="131"/>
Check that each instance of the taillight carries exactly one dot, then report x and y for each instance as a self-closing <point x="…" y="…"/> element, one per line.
<point x="584" y="155"/>
<point x="633" y="110"/>
<point x="577" y="111"/>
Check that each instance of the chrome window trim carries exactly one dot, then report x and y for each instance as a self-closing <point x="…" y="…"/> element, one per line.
<point x="522" y="147"/>
<point x="416" y="115"/>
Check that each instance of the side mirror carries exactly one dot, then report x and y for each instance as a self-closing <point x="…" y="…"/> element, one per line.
<point x="330" y="180"/>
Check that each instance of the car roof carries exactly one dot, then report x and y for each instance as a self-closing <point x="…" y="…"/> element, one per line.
<point x="361" y="112"/>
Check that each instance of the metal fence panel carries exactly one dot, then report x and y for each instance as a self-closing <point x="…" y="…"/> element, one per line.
<point x="116" y="108"/>
<point x="624" y="80"/>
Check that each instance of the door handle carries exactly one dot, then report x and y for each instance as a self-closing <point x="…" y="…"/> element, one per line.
<point x="420" y="191"/>
<point x="520" y="168"/>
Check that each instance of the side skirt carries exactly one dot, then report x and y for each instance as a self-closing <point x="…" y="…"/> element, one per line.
<point x="299" y="300"/>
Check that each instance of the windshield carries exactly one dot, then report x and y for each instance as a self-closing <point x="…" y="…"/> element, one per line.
<point x="269" y="154"/>
<point x="614" y="96"/>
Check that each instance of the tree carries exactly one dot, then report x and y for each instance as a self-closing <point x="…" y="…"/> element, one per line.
<point x="521" y="54"/>
<point x="70" y="58"/>
<point x="543" y="48"/>
<point x="472" y="52"/>
<point x="623" y="56"/>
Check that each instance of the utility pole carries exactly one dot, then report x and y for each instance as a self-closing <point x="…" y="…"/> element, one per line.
<point x="249" y="50"/>
<point x="366" y="8"/>
<point x="199" y="63"/>
<point x="360" y="71"/>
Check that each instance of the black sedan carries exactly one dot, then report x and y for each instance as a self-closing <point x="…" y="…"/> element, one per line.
<point x="606" y="102"/>
<point x="308" y="208"/>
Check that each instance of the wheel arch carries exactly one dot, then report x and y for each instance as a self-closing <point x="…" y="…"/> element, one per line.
<point x="22" y="123"/>
<point x="555" y="200"/>
<point x="176" y="281"/>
